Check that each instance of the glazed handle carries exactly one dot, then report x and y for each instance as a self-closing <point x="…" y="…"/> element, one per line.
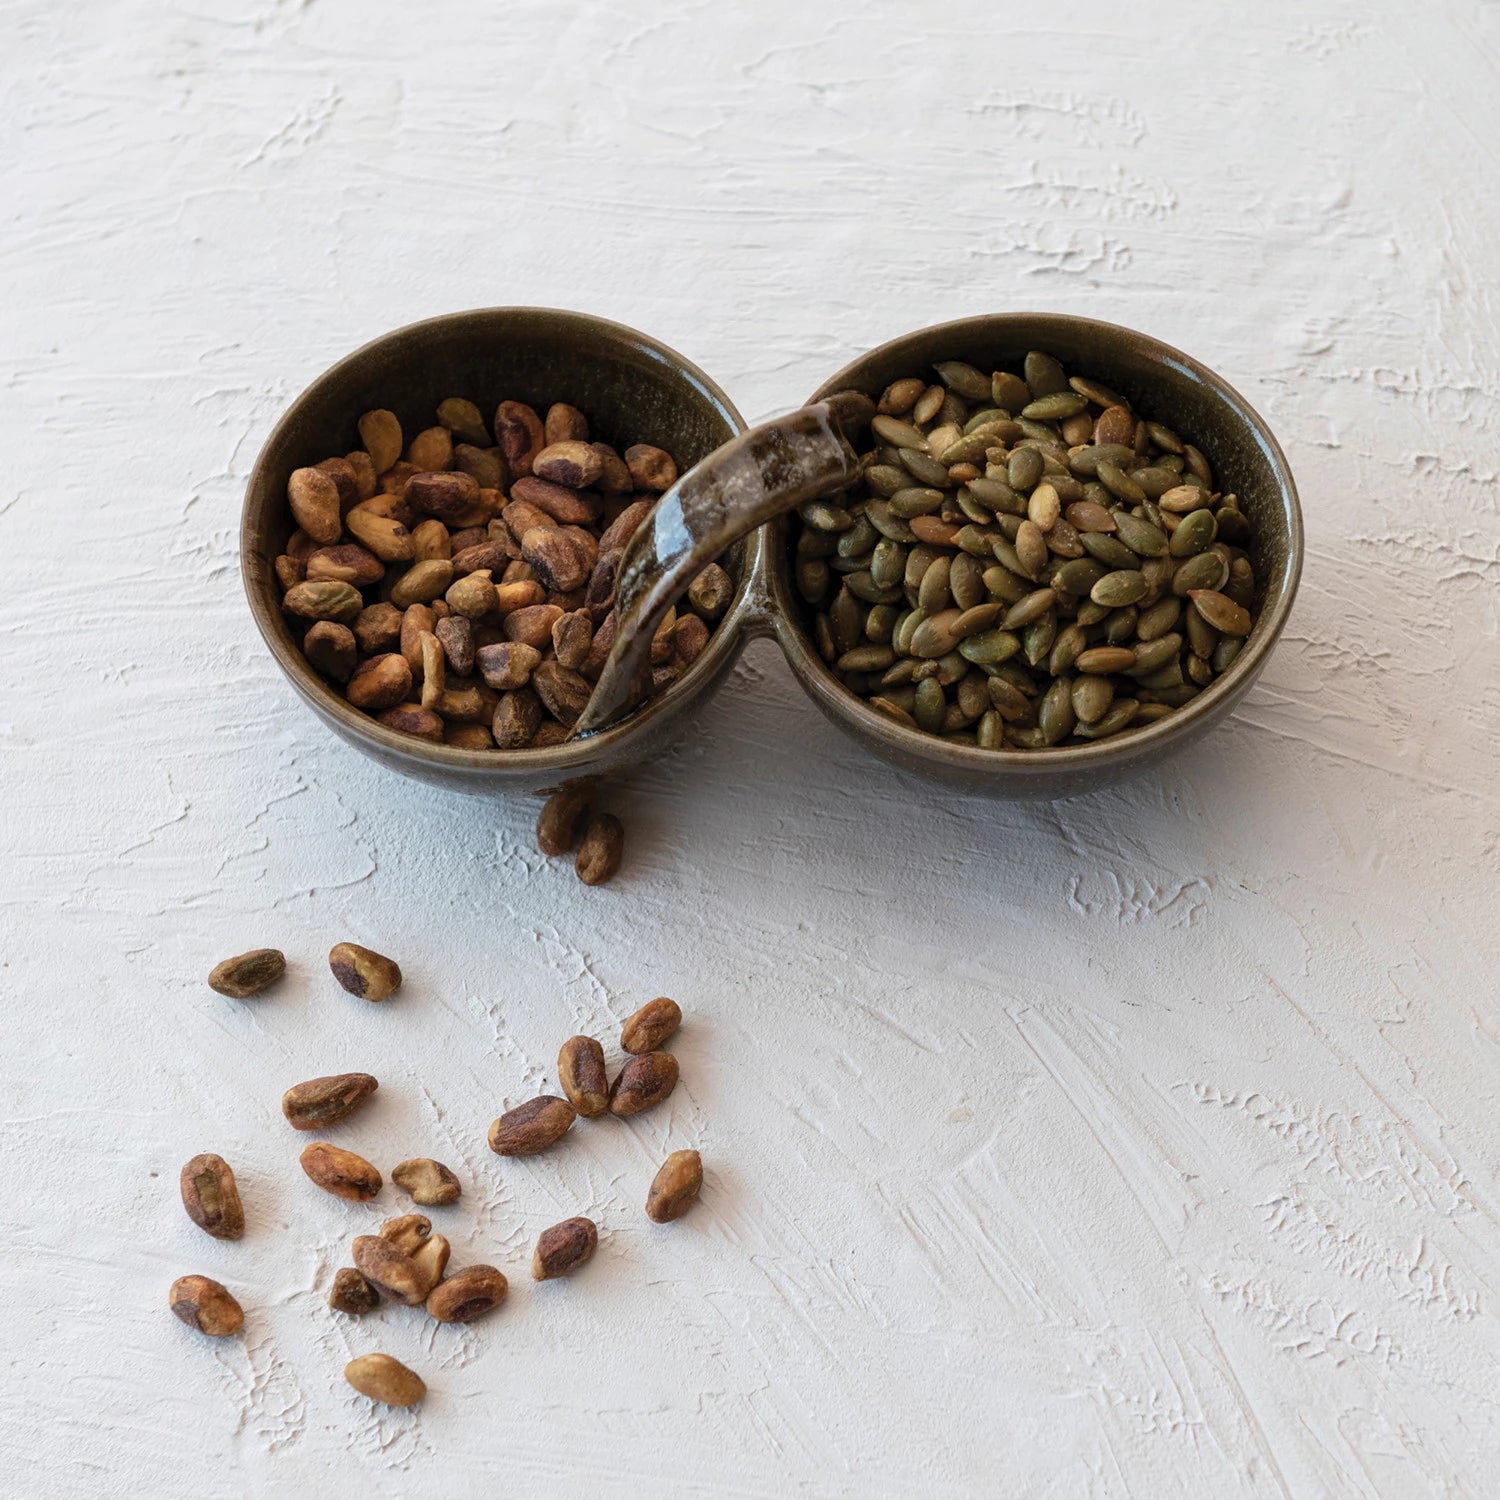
<point x="745" y="483"/>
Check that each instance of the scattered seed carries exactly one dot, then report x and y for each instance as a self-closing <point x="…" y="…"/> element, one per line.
<point x="428" y="1182"/>
<point x="384" y="1379"/>
<point x="248" y="974"/>
<point x="563" y="1248"/>
<point x="211" y="1197"/>
<point x="325" y="1101"/>
<point x="364" y="972"/>
<point x="204" y="1304"/>
<point x="675" y="1187"/>
<point x="532" y="1127"/>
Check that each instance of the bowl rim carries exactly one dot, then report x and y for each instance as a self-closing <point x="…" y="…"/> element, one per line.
<point x="912" y="744"/>
<point x="571" y="755"/>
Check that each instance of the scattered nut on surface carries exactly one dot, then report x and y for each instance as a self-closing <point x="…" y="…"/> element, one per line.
<point x="248" y="974"/>
<point x="382" y="1378"/>
<point x="340" y="1172"/>
<point x="561" y="817"/>
<point x="675" y="1187"/>
<point x="582" y="1074"/>
<point x="326" y="1101"/>
<point x="386" y="1266"/>
<point x="408" y="1233"/>
<point x="642" y="1083"/>
<point x="429" y="1182"/>
<point x="204" y="1304"/>
<point x="352" y="1293"/>
<point x="651" y="1025"/>
<point x="532" y="1127"/>
<point x="364" y="972"/>
<point x="564" y="1247"/>
<point x="467" y="1294"/>
<point x="211" y="1197"/>
<point x="599" y="853"/>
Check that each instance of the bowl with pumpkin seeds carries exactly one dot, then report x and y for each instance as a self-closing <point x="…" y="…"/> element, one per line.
<point x="1070" y="550"/>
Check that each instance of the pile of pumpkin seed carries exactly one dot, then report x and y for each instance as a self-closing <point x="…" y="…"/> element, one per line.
<point x="1026" y="562"/>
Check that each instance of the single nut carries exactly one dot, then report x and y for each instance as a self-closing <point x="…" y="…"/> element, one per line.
<point x="507" y="664"/>
<point x="390" y="1269"/>
<point x="449" y="497"/>
<point x="412" y="718"/>
<point x="289" y="572"/>
<point x="431" y="450"/>
<point x="614" y="475"/>
<point x="689" y="638"/>
<point x="429" y="1182"/>
<point x="558" y="556"/>
<point x="421" y="583"/>
<point x="675" y="1187"/>
<point x="324" y="601"/>
<point x="332" y="649"/>
<point x="381" y="682"/>
<point x="457" y="636"/>
<point x="364" y="972"/>
<point x="483" y="465"/>
<point x="434" y="668"/>
<point x="467" y="1294"/>
<point x="518" y="716"/>
<point x="211" y="1198"/>
<point x="643" y="1082"/>
<point x="565" y="424"/>
<point x="570" y="463"/>
<point x="651" y="1025"/>
<point x="532" y="625"/>
<point x="340" y="1172"/>
<point x="363" y="470"/>
<point x="205" y="1305"/>
<point x="624" y="526"/>
<point x="563" y="1248"/>
<point x="650" y="468"/>
<point x="380" y="432"/>
<point x="385" y="536"/>
<point x="384" y="1379"/>
<point x="377" y="628"/>
<point x="532" y="1127"/>
<point x="463" y="420"/>
<point x="519" y="435"/>
<point x="599" y="853"/>
<point x="351" y="1293"/>
<point x="408" y="1233"/>
<point x="431" y="1260"/>
<point x="519" y="593"/>
<point x="571" y="638"/>
<point x="558" y="823"/>
<point x="314" y="499"/>
<point x="473" y="595"/>
<point x="563" y="692"/>
<point x="538" y="502"/>
<point x="346" y="563"/>
<point x="247" y="974"/>
<point x="326" y="1101"/>
<point x="581" y="1072"/>
<point x="468" y="737"/>
<point x="710" y="592"/>
<point x="482" y="557"/>
<point x="430" y="540"/>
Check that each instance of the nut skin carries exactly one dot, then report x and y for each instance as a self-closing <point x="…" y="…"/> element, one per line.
<point x="364" y="972"/>
<point x="650" y="1026"/>
<point x="247" y="974"/>
<point x="384" y="1379"/>
<point x="352" y="1294"/>
<point x="326" y="1101"/>
<point x="467" y="1295"/>
<point x="532" y="1127"/>
<point x="600" y="852"/>
<point x="561" y="817"/>
<point x="643" y="1083"/>
<point x="582" y="1074"/>
<point x="565" y="424"/>
<point x="570" y="463"/>
<point x="563" y="1248"/>
<point x="650" y="468"/>
<point x="204" y="1304"/>
<point x="211" y="1196"/>
<point x="340" y="1172"/>
<point x="675" y="1187"/>
<point x="428" y="1182"/>
<point x="519" y="435"/>
<point x="390" y="1269"/>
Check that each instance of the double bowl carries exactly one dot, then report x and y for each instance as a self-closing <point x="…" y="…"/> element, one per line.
<point x="638" y="390"/>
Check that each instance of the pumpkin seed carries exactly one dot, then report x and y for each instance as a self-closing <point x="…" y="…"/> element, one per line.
<point x="897" y="433"/>
<point x="1092" y="697"/>
<point x="929" y="706"/>
<point x="1024" y="468"/>
<point x="1085" y="461"/>
<point x="1144" y="539"/>
<point x="1207" y="570"/>
<point x="1226" y="651"/>
<point x="1152" y="656"/>
<point x="933" y="593"/>
<point x="964" y="380"/>
<point x="866" y="659"/>
<point x="1113" y="722"/>
<point x="887" y="563"/>
<point x="990" y="647"/>
<point x="1221" y="611"/>
<point x="1044" y="375"/>
<point x="1009" y="392"/>
<point x="1194" y="533"/>
<point x="1120" y="626"/>
<point x="998" y="495"/>
<point x="893" y="711"/>
<point x="880" y="623"/>
<point x="1158" y="619"/>
<point x="1066" y="648"/>
<point x="924" y="468"/>
<point x="1107" y="549"/>
<point x="1124" y="586"/>
<point x="1079" y="576"/>
<point x="966" y="581"/>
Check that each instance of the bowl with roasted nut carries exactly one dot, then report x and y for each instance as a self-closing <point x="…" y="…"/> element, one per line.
<point x="431" y="533"/>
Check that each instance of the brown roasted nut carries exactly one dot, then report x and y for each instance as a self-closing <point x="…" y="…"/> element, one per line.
<point x="429" y="1182"/>
<point x="352" y="1294"/>
<point x="364" y="972"/>
<point x="447" y="496"/>
<point x="467" y="1294"/>
<point x="518" y="593"/>
<point x="643" y="1083"/>
<point x="430" y="540"/>
<point x="431" y="1260"/>
<point x="518" y="716"/>
<point x="324" y="601"/>
<point x="332" y="649"/>
<point x="463" y="420"/>
<point x="384" y="1379"/>
<point x="532" y="625"/>
<point x="550" y="732"/>
<point x="569" y="463"/>
<point x="625" y="525"/>
<point x="340" y="1172"/>
<point x="565" y="424"/>
<point x="385" y="536"/>
<point x="520" y="436"/>
<point x="563" y="692"/>
<point x="414" y="620"/>
<point x="558" y="823"/>
<point x="484" y="466"/>
<point x="211" y="1198"/>
<point x="326" y="1101"/>
<point x="473" y="595"/>
<point x="600" y="852"/>
<point x="300" y="546"/>
<point x="675" y="1187"/>
<point x="247" y="974"/>
<point x="614" y="475"/>
<point x="377" y="629"/>
<point x="563" y="1248"/>
<point x="571" y="638"/>
<point x="488" y="557"/>
<point x="662" y="641"/>
<point x="380" y="432"/>
<point x="289" y="572"/>
<point x="650" y="1026"/>
<point x="558" y="503"/>
<point x="393" y="484"/>
<point x="434" y="668"/>
<point x="362" y="467"/>
<point x="314" y="499"/>
<point x="464" y="736"/>
<point x="456" y="635"/>
<point x="407" y="1232"/>
<point x="532" y="1127"/>
<point x="710" y="592"/>
<point x="205" y="1305"/>
<point x="346" y="563"/>
<point x="581" y="1072"/>
<point x="421" y="583"/>
<point x="521" y="517"/>
<point x="389" y="1268"/>
<point x="689" y="637"/>
<point x="413" y="719"/>
<point x="338" y="470"/>
<point x="463" y="705"/>
<point x="507" y="664"/>
<point x="650" y="468"/>
<point x="557" y="557"/>
<point x="379" y="683"/>
<point x="431" y="451"/>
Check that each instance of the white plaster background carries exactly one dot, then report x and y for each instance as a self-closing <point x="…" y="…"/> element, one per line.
<point x="1143" y="1145"/>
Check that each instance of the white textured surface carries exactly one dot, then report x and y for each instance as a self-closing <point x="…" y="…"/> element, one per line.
<point x="1144" y="1145"/>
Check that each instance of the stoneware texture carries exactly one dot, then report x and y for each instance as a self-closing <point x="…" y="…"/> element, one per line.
<point x="1135" y="1146"/>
